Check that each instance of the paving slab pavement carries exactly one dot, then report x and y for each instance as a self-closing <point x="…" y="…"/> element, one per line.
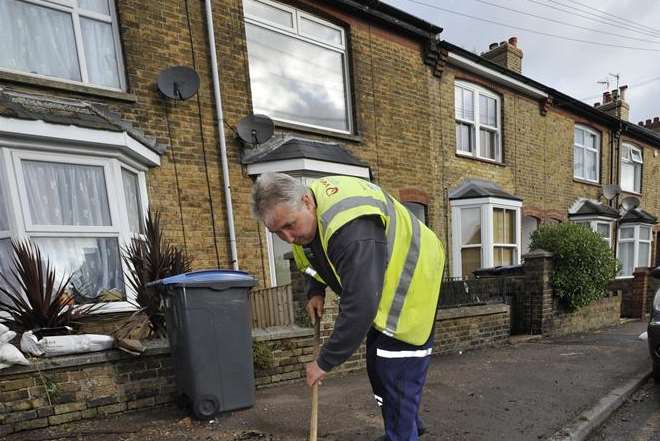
<point x="525" y="390"/>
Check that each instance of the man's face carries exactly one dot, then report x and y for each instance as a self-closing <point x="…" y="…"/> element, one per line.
<point x="293" y="225"/>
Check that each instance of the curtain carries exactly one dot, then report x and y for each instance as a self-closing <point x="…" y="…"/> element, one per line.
<point x="131" y="191"/>
<point x="94" y="263"/>
<point x="100" y="53"/>
<point x="66" y="194"/>
<point x="38" y="40"/>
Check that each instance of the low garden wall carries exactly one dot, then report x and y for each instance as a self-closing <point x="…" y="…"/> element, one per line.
<point x="64" y="389"/>
<point x="604" y="312"/>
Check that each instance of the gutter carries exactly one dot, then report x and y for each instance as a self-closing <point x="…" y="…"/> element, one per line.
<point x="221" y="134"/>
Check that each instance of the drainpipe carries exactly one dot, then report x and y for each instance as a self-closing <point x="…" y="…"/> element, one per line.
<point x="221" y="134"/>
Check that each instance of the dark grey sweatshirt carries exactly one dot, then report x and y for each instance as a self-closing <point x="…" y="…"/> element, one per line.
<point x="358" y="252"/>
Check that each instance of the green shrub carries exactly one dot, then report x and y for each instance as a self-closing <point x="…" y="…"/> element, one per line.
<point x="583" y="263"/>
<point x="262" y="355"/>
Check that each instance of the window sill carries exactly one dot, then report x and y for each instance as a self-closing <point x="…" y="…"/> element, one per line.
<point x="585" y="182"/>
<point x="632" y="193"/>
<point x="330" y="133"/>
<point x="69" y="87"/>
<point x="476" y="158"/>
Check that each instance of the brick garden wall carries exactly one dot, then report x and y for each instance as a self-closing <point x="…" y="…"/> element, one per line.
<point x="97" y="384"/>
<point x="604" y="312"/>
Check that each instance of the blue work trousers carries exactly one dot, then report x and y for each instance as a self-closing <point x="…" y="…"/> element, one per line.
<point x="397" y="372"/>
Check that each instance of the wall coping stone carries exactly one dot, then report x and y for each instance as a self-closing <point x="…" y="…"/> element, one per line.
<point x="472" y="311"/>
<point x="281" y="332"/>
<point x="152" y="347"/>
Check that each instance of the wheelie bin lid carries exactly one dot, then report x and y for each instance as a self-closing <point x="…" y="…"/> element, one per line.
<point x="215" y="278"/>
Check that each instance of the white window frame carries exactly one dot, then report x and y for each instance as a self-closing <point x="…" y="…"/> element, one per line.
<point x="476" y="125"/>
<point x="296" y="32"/>
<point x="636" y="239"/>
<point x="487" y="229"/>
<point x="590" y="131"/>
<point x="593" y="221"/>
<point x="628" y="152"/>
<point x="71" y="7"/>
<point x="23" y="228"/>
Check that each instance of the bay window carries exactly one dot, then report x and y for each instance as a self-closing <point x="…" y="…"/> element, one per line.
<point x="298" y="66"/>
<point x="485" y="233"/>
<point x="602" y="226"/>
<point x="478" y="121"/>
<point x="79" y="210"/>
<point x="631" y="168"/>
<point x="69" y="40"/>
<point x="634" y="248"/>
<point x="586" y="154"/>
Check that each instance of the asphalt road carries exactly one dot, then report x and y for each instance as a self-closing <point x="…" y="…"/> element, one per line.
<point x="637" y="420"/>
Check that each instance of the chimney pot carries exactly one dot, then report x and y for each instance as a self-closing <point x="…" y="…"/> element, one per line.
<point x="615" y="94"/>
<point x="492" y="46"/>
<point x="513" y="41"/>
<point x="641" y="123"/>
<point x="502" y="43"/>
<point x="597" y="104"/>
<point x="622" y="91"/>
<point x="647" y="124"/>
<point x="607" y="97"/>
<point x="656" y="119"/>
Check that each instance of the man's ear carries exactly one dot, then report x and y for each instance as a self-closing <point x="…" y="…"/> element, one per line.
<point x="308" y="201"/>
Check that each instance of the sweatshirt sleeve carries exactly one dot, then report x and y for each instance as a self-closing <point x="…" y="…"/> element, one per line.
<point x="358" y="252"/>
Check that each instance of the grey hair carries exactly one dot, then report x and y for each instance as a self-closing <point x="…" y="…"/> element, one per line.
<point x="271" y="189"/>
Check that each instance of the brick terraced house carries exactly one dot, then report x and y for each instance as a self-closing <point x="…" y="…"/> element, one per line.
<point x="482" y="153"/>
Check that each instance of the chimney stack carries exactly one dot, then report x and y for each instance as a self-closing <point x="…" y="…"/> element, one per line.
<point x="614" y="103"/>
<point x="506" y="54"/>
<point x="651" y="125"/>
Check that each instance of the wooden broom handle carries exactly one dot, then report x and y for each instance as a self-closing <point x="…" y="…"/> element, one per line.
<point x="314" y="419"/>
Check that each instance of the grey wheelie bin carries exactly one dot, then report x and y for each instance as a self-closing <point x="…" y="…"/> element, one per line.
<point x="208" y="325"/>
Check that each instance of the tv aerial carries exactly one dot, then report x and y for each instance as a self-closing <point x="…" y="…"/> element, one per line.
<point x="178" y="82"/>
<point x="255" y="129"/>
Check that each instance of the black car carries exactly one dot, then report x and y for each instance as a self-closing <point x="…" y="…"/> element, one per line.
<point x="654" y="326"/>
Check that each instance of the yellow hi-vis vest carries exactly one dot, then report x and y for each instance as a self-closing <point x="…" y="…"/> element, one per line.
<point x="415" y="256"/>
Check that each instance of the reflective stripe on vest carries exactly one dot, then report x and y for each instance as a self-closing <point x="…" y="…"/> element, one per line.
<point x="404" y="279"/>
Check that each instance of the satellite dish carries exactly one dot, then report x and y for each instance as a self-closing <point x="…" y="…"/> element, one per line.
<point x="178" y="82"/>
<point x="630" y="202"/>
<point x="610" y="191"/>
<point x="255" y="129"/>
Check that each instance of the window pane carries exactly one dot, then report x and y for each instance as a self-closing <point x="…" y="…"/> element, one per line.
<point x="638" y="178"/>
<point x="100" y="53"/>
<point x="320" y="32"/>
<point x="282" y="270"/>
<point x="503" y="256"/>
<point x="487" y="113"/>
<point x="644" y="233"/>
<point x="296" y="81"/>
<point x="626" y="256"/>
<point x="66" y="194"/>
<point x="627" y="176"/>
<point x="591" y="141"/>
<point x="6" y="257"/>
<point x="644" y="254"/>
<point x="471" y="226"/>
<point x="458" y="102"/>
<point x="418" y="210"/>
<point x="468" y="105"/>
<point x="578" y="162"/>
<point x="93" y="263"/>
<point x="625" y="153"/>
<point x="627" y="233"/>
<point x="4" y="217"/>
<point x="591" y="164"/>
<point x="470" y="260"/>
<point x="269" y="13"/>
<point x="579" y="136"/>
<point x="635" y="155"/>
<point x="132" y="193"/>
<point x="504" y="226"/>
<point x="463" y="137"/>
<point x="487" y="144"/>
<point x="100" y="6"/>
<point x="38" y="40"/>
<point x="603" y="230"/>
